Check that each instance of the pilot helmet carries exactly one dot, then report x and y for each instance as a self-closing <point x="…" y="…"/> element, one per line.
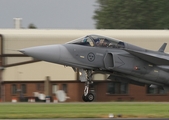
<point x="101" y="40"/>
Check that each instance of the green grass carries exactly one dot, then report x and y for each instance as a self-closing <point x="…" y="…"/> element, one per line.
<point x="84" y="110"/>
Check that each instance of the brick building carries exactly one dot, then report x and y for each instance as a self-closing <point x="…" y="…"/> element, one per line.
<point x="21" y="76"/>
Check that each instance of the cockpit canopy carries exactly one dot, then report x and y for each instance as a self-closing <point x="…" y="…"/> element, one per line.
<point x="98" y="41"/>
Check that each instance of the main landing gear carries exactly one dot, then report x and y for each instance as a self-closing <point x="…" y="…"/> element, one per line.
<point x="88" y="96"/>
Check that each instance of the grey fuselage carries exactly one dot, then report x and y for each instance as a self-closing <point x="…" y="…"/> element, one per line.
<point x="115" y="60"/>
<point x="130" y="62"/>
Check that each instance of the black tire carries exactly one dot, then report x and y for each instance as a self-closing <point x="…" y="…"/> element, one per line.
<point x="90" y="97"/>
<point x="84" y="98"/>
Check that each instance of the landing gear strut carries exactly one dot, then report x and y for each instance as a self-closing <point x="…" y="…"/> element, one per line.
<point x="88" y="96"/>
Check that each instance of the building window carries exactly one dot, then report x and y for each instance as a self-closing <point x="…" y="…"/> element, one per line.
<point x="40" y="87"/>
<point x="14" y="88"/>
<point x="23" y="88"/>
<point x="158" y="90"/>
<point x="54" y="88"/>
<point x="64" y="87"/>
<point x="117" y="88"/>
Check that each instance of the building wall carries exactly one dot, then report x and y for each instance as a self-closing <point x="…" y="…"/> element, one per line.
<point x="38" y="71"/>
<point x="135" y="93"/>
<point x="75" y="92"/>
<point x="18" y="39"/>
<point x="1" y="68"/>
<point x="31" y="88"/>
<point x="34" y="73"/>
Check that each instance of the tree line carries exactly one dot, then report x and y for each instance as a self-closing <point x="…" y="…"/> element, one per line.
<point x="132" y="14"/>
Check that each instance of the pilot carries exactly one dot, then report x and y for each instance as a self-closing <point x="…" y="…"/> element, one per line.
<point x="101" y="42"/>
<point x="105" y="43"/>
<point x="97" y="42"/>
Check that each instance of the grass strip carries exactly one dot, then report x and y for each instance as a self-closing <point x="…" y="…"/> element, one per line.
<point x="84" y="110"/>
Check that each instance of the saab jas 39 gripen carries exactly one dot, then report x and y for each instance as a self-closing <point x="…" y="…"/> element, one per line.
<point x="123" y="62"/>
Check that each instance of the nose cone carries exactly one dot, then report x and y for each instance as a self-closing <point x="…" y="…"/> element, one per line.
<point x="50" y="53"/>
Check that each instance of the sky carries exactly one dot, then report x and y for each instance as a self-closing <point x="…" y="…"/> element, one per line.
<point x="49" y="14"/>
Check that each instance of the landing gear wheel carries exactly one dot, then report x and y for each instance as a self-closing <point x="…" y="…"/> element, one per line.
<point x="90" y="97"/>
<point x="84" y="98"/>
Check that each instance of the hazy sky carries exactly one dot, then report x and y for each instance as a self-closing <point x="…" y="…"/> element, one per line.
<point x="54" y="14"/>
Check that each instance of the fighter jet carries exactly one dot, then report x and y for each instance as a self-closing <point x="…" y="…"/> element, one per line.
<point x="122" y="61"/>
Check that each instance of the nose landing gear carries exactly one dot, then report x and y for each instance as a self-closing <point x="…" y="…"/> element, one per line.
<point x="88" y="96"/>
